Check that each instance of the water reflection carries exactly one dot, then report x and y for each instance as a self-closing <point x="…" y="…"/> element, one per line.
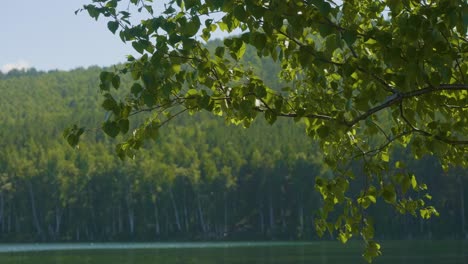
<point x="411" y="252"/>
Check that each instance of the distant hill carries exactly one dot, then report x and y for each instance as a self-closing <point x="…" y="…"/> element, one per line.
<point x="202" y="179"/>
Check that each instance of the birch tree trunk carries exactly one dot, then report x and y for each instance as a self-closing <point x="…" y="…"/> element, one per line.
<point x="2" y="206"/>
<point x="200" y="215"/>
<point x="271" y="212"/>
<point x="131" y="221"/>
<point x="261" y="218"/>
<point x="130" y="212"/>
<point x="156" y="220"/>
<point x="176" y="212"/>
<point x="34" y="212"/>
<point x="301" y="217"/>
<point x="225" y="229"/>
<point x="186" y="221"/>
<point x="120" y="222"/>
<point x="58" y="221"/>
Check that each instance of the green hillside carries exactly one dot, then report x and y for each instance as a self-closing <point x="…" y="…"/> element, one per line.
<point x="201" y="180"/>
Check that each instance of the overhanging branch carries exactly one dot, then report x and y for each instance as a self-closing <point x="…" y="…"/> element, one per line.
<point x="398" y="98"/>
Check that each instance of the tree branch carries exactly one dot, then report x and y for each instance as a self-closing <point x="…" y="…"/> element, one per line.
<point x="427" y="134"/>
<point x="398" y="97"/>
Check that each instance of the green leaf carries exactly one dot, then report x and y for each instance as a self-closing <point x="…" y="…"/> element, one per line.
<point x="138" y="46"/>
<point x="72" y="140"/>
<point x="427" y="212"/>
<point x="191" y="28"/>
<point x="323" y="131"/>
<point x="258" y="40"/>
<point x="414" y="183"/>
<point x="389" y="194"/>
<point x="113" y="26"/>
<point x="270" y="117"/>
<point x="148" y="98"/>
<point x="219" y="52"/>
<point x="191" y="3"/>
<point x="152" y="130"/>
<point x="240" y="13"/>
<point x="92" y="11"/>
<point x="72" y="135"/>
<point x="111" y="128"/>
<point x="136" y="89"/>
<point x="236" y="47"/>
<point x="405" y="184"/>
<point x="385" y="156"/>
<point x="344" y="237"/>
<point x="241" y="51"/>
<point x="372" y="250"/>
<point x="349" y="37"/>
<point x="371" y="198"/>
<point x="106" y="80"/>
<point x="324" y="7"/>
<point x="109" y="104"/>
<point x="306" y="57"/>
<point x="116" y="81"/>
<point x="124" y="125"/>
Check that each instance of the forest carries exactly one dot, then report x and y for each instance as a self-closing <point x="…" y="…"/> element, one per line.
<point x="202" y="180"/>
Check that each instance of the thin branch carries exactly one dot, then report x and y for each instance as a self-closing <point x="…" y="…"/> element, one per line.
<point x="430" y="89"/>
<point x="150" y="109"/>
<point x="454" y="106"/>
<point x="402" y="114"/>
<point x="381" y="129"/>
<point x="314" y="116"/>
<point x="398" y="97"/>
<point x="456" y="60"/>
<point x="391" y="100"/>
<point x="312" y="53"/>
<point x="374" y="152"/>
<point x="387" y="87"/>
<point x="427" y="134"/>
<point x="173" y="116"/>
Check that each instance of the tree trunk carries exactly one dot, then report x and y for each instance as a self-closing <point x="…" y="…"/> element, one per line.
<point x="271" y="212"/>
<point x="283" y="219"/>
<point x="58" y="221"/>
<point x="34" y="212"/>
<point x="1" y="210"/>
<point x="156" y="218"/>
<point x="8" y="228"/>
<point x="261" y="219"/>
<point x="120" y="224"/>
<point x="114" y="222"/>
<point x="17" y="223"/>
<point x="200" y="215"/>
<point x="130" y="213"/>
<point x="131" y="221"/>
<point x="169" y="227"/>
<point x="301" y="217"/>
<point x="462" y="208"/>
<point x="225" y="229"/>
<point x="176" y="212"/>
<point x="186" y="221"/>
<point x="77" y="234"/>
<point x="91" y="230"/>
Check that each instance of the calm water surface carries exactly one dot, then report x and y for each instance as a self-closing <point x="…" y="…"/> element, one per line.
<point x="414" y="252"/>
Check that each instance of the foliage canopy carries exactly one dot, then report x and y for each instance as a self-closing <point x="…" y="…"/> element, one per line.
<point x="364" y="76"/>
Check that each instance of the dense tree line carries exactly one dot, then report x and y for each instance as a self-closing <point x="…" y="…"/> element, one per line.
<point x="201" y="181"/>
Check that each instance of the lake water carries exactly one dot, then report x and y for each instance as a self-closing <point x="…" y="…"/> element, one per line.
<point x="414" y="252"/>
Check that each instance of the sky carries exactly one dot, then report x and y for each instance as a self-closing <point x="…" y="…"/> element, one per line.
<point x="47" y="35"/>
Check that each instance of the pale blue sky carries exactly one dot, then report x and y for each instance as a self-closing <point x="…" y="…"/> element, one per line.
<point x="46" y="34"/>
